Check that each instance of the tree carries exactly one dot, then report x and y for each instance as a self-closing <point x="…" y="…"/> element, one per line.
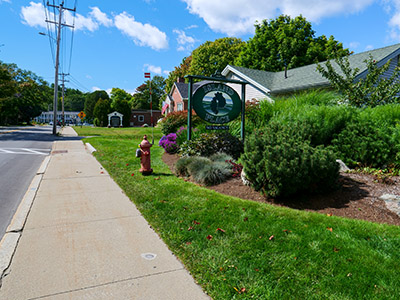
<point x="372" y="90"/>
<point x="211" y="57"/>
<point x="286" y="43"/>
<point x="179" y="72"/>
<point x="74" y="100"/>
<point x="90" y="102"/>
<point x="23" y="94"/>
<point x="118" y="94"/>
<point x="101" y="111"/>
<point x="141" y="98"/>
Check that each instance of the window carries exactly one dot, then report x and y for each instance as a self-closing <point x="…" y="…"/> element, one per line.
<point x="179" y="106"/>
<point x="141" y="118"/>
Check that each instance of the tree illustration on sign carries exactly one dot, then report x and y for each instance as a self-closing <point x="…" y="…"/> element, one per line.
<point x="217" y="102"/>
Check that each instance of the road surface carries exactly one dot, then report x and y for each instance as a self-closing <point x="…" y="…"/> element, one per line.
<point x="22" y="150"/>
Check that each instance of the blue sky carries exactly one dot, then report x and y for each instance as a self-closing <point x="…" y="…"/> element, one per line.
<point x="115" y="42"/>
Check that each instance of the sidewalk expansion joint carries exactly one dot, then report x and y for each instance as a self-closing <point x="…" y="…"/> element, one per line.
<point x="81" y="222"/>
<point x="107" y="283"/>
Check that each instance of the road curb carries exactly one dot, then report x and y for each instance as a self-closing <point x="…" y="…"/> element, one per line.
<point x="90" y="148"/>
<point x="9" y="242"/>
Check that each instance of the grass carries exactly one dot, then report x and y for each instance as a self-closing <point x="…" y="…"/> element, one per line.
<point x="239" y="249"/>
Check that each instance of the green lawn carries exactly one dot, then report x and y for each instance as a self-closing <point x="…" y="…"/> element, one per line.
<point x="239" y="249"/>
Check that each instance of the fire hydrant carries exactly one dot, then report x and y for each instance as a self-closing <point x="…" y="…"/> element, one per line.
<point x="145" y="146"/>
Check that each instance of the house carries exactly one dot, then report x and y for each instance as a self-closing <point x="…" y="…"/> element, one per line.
<point x="70" y="117"/>
<point x="141" y="117"/>
<point x="177" y="99"/>
<point x="264" y="85"/>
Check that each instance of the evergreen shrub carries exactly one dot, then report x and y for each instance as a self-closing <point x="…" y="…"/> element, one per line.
<point x="365" y="143"/>
<point x="280" y="161"/>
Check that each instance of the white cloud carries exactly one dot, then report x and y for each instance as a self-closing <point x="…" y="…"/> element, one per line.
<point x="7" y="1"/>
<point x="81" y="22"/>
<point x="101" y="17"/>
<point x="153" y="69"/>
<point x="142" y="34"/>
<point x="392" y="7"/>
<point x="34" y="15"/>
<point x="185" y="43"/>
<point x="95" y="88"/>
<point x="235" y="17"/>
<point x="369" y="47"/>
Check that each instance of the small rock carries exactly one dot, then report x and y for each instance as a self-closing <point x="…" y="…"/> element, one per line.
<point x="244" y="178"/>
<point x="343" y="167"/>
<point x="392" y="202"/>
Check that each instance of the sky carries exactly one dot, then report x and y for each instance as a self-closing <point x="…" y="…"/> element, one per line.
<point x="113" y="43"/>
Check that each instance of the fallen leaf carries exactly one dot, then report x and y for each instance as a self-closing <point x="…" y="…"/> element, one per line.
<point x="188" y="243"/>
<point x="271" y="237"/>
<point x="329" y="215"/>
<point x="220" y="229"/>
<point x="101" y="172"/>
<point x="242" y="290"/>
<point x="349" y="275"/>
<point x="158" y="178"/>
<point x="246" y="219"/>
<point x="195" y="222"/>
<point x="336" y="249"/>
<point x="209" y="237"/>
<point x="329" y="228"/>
<point x="132" y="174"/>
<point x="127" y="164"/>
<point x="190" y="228"/>
<point x="256" y="270"/>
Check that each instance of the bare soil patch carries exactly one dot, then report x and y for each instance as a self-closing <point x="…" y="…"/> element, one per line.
<point x="356" y="198"/>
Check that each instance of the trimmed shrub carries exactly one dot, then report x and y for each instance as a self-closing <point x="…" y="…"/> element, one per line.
<point x="280" y="161"/>
<point x="365" y="144"/>
<point x="207" y="144"/>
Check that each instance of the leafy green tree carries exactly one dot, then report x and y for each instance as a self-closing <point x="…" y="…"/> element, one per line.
<point x="23" y="94"/>
<point x="372" y="90"/>
<point x="211" y="57"/>
<point x="178" y="72"/>
<point x="118" y="94"/>
<point x="141" y="98"/>
<point x="285" y="43"/>
<point x="101" y="111"/>
<point x="90" y="103"/>
<point x="123" y="107"/>
<point x="74" y="100"/>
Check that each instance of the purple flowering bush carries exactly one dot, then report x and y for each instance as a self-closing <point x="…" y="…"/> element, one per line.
<point x="168" y="142"/>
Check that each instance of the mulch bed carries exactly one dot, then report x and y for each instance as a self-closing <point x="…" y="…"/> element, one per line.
<point x="357" y="197"/>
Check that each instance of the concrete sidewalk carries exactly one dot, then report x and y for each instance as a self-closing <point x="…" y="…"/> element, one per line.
<point x="84" y="239"/>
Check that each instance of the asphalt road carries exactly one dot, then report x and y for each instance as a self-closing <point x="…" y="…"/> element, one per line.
<point x="22" y="150"/>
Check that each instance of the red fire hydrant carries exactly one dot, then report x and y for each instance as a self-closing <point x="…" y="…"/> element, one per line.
<point x="145" y="146"/>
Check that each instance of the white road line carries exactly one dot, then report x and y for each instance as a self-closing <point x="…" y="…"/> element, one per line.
<point x="25" y="151"/>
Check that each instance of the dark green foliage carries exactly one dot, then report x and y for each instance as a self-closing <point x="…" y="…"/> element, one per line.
<point x="173" y="121"/>
<point x="141" y="98"/>
<point x="90" y="103"/>
<point x="287" y="43"/>
<point x="101" y="111"/>
<point x="280" y="161"/>
<point x="365" y="143"/>
<point x="207" y="144"/>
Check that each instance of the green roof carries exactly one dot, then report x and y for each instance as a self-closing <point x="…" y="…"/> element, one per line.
<point x="308" y="77"/>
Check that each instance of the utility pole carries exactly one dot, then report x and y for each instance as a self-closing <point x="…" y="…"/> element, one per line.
<point x="61" y="9"/>
<point x="62" y="97"/>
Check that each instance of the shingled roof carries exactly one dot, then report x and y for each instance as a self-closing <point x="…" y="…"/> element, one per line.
<point x="308" y="77"/>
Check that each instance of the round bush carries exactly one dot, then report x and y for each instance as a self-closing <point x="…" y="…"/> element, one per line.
<point x="168" y="142"/>
<point x="365" y="143"/>
<point x="280" y="162"/>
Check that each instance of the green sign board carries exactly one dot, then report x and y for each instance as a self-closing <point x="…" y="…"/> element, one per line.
<point x="217" y="103"/>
